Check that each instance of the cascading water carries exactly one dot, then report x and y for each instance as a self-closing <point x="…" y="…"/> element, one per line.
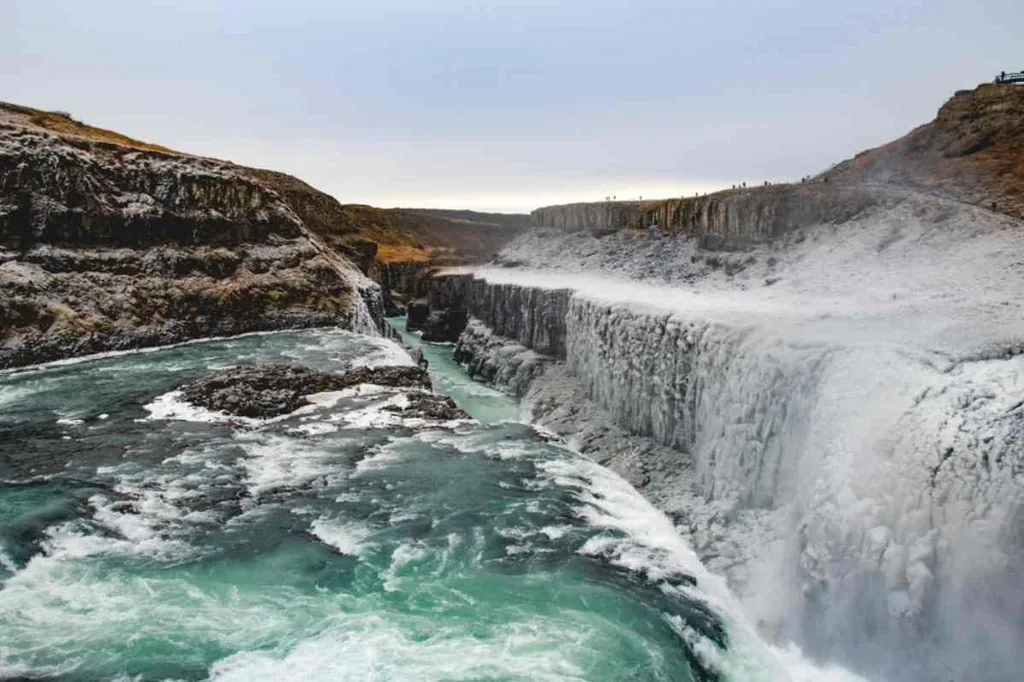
<point x="363" y="320"/>
<point x="888" y="485"/>
<point x="143" y="538"/>
<point x="861" y="491"/>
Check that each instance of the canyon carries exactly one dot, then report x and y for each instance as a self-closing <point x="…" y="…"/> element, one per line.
<point x="820" y="382"/>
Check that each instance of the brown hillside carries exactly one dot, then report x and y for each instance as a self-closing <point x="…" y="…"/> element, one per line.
<point x="362" y="232"/>
<point x="62" y="124"/>
<point x="973" y="151"/>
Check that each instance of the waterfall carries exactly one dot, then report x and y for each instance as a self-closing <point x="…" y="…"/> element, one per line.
<point x="363" y="321"/>
<point x="885" y="481"/>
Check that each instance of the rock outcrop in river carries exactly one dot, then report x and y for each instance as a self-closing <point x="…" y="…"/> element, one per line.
<point x="273" y="389"/>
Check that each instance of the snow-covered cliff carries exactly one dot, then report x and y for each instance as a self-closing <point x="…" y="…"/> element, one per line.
<point x="833" y="417"/>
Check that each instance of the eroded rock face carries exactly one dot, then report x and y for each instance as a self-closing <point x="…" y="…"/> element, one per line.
<point x="729" y="219"/>
<point x="63" y="190"/>
<point x="439" y="323"/>
<point x="109" y="246"/>
<point x="444" y="326"/>
<point x="273" y="389"/>
<point x="57" y="303"/>
<point x="401" y="283"/>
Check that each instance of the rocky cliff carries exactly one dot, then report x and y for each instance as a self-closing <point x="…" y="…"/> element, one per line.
<point x="729" y="219"/>
<point x="860" y="464"/>
<point x="107" y="243"/>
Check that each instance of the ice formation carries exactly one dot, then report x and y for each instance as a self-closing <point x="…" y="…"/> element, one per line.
<point x="834" y="418"/>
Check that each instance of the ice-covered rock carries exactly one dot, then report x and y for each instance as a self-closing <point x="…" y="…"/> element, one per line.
<point x="835" y="423"/>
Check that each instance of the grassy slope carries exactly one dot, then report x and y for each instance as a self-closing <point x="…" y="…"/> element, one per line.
<point x="62" y="124"/>
<point x="972" y="151"/>
<point x="464" y="216"/>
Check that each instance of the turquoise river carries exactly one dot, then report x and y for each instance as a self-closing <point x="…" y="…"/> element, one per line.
<point x="144" y="539"/>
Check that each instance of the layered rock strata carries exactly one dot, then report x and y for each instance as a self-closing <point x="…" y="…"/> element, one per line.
<point x="109" y="245"/>
<point x="729" y="219"/>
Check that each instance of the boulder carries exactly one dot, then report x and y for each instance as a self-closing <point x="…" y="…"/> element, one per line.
<point x="443" y="326"/>
<point x="418" y="312"/>
<point x="430" y="406"/>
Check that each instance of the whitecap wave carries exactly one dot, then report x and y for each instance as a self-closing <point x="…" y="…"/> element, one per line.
<point x="643" y="540"/>
<point x="349" y="538"/>
<point x="372" y="648"/>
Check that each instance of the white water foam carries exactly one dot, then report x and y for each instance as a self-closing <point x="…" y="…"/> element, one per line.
<point x="379" y="457"/>
<point x="386" y="413"/>
<point x="6" y="562"/>
<point x="64" y="421"/>
<point x="11" y="395"/>
<point x="172" y="407"/>
<point x="347" y="537"/>
<point x="150" y="518"/>
<point x="384" y="354"/>
<point x="402" y="557"/>
<point x="79" y="359"/>
<point x="369" y="647"/>
<point x="650" y="546"/>
<point x="275" y="462"/>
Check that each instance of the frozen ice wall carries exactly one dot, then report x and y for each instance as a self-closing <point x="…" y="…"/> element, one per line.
<point x="851" y="398"/>
<point x="895" y="484"/>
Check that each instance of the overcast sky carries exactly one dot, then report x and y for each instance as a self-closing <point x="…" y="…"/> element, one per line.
<point x="507" y="105"/>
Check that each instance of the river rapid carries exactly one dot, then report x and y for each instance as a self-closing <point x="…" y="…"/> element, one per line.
<point x="142" y="538"/>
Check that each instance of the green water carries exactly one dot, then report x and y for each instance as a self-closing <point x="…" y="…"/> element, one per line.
<point x="143" y="539"/>
<point x="483" y="403"/>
